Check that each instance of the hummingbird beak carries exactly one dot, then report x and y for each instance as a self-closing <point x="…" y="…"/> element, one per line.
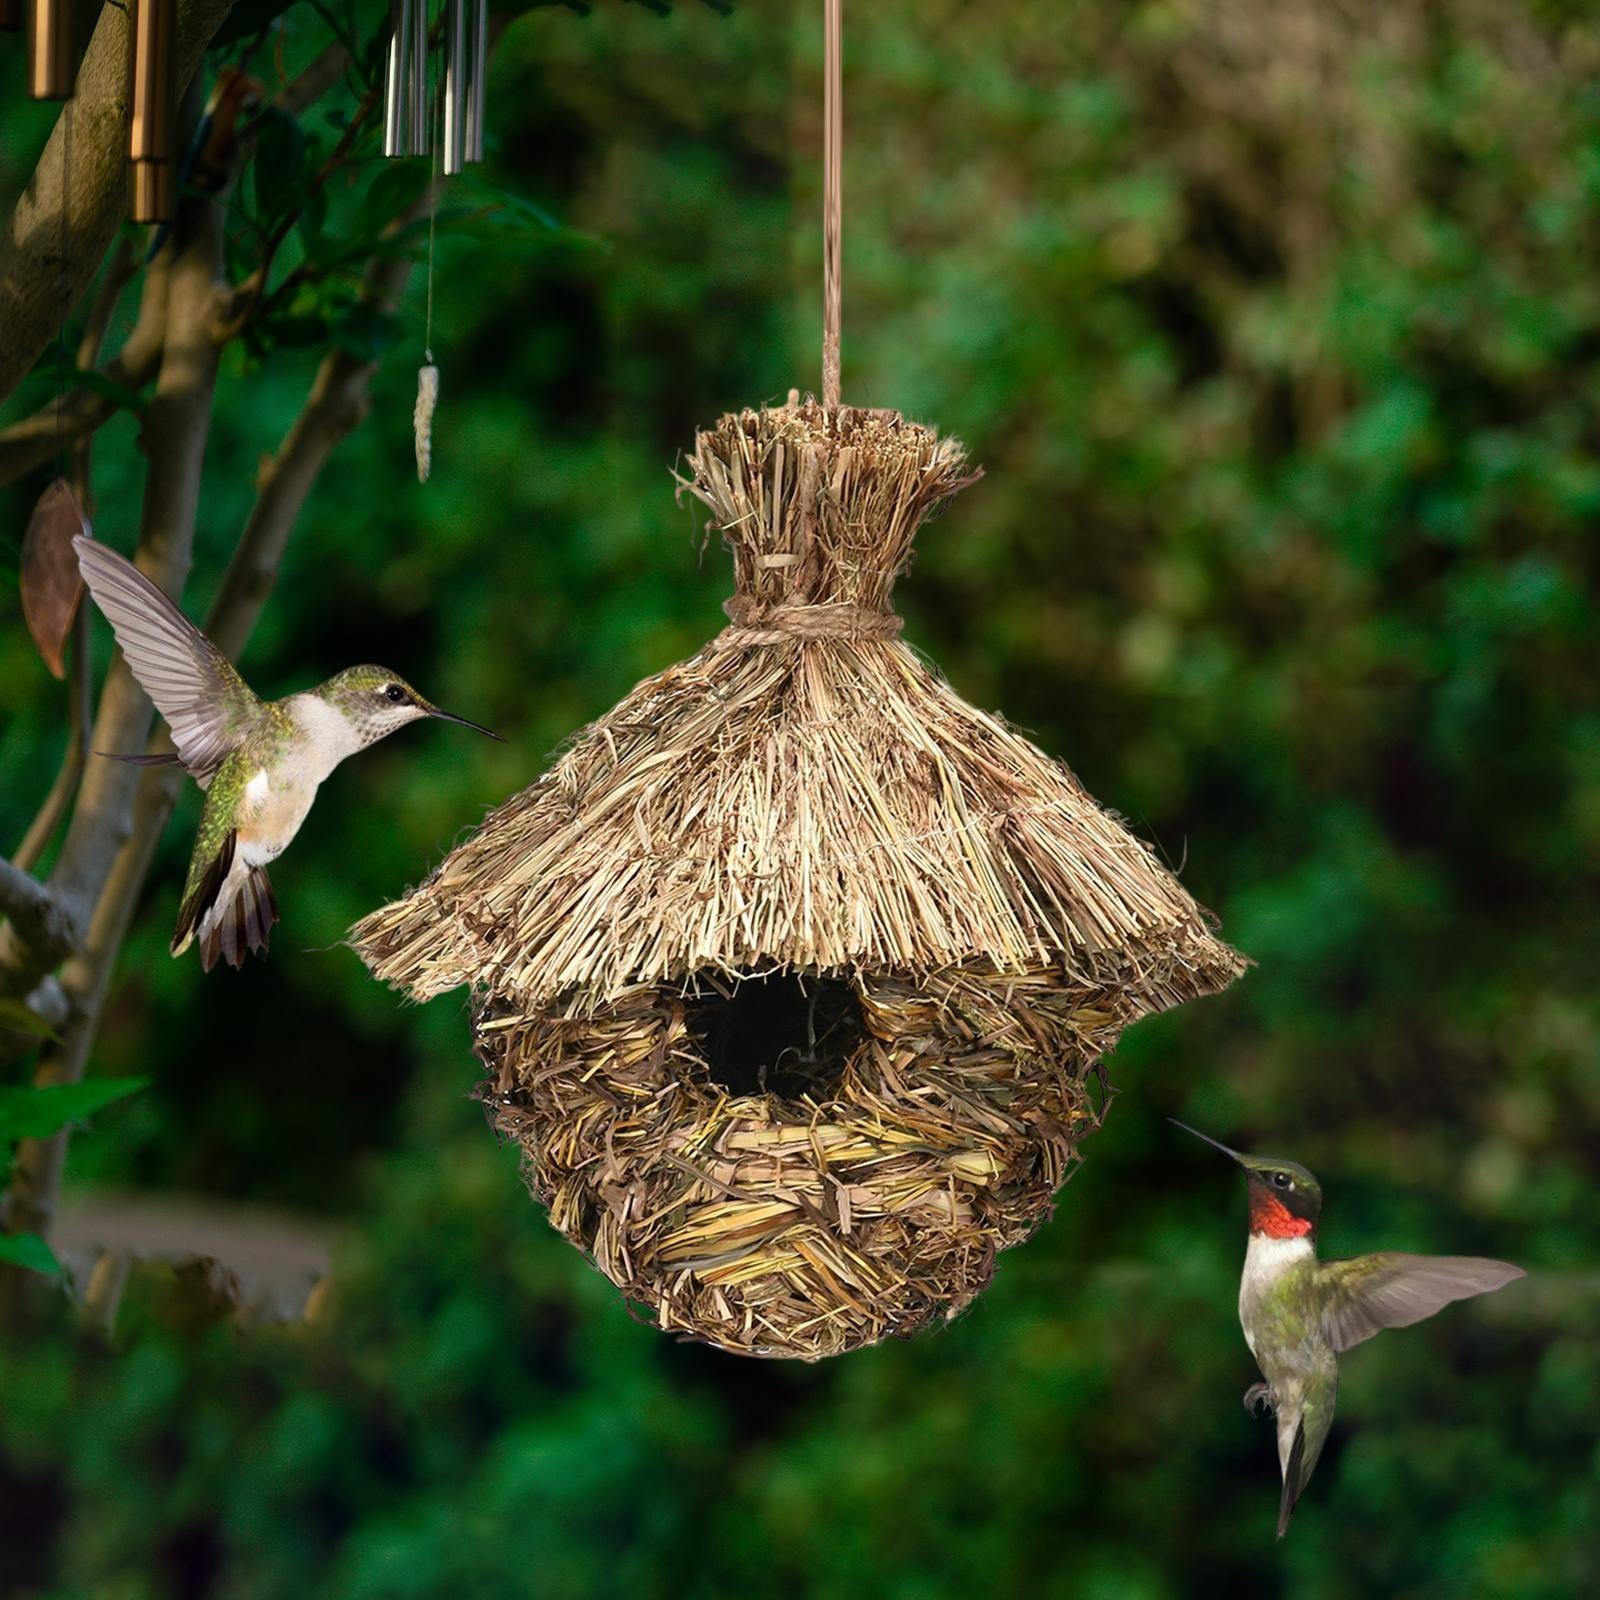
<point x="1214" y="1143"/>
<point x="448" y="716"/>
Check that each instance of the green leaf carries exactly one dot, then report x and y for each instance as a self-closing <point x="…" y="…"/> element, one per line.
<point x="29" y="1251"/>
<point x="20" y="1018"/>
<point x="247" y="18"/>
<point x="28" y="1113"/>
<point x="394" y="191"/>
<point x="279" y="165"/>
<point x="311" y="223"/>
<point x="297" y="332"/>
<point x="528" y="210"/>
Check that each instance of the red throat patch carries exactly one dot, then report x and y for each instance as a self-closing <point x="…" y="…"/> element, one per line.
<point x="1269" y="1215"/>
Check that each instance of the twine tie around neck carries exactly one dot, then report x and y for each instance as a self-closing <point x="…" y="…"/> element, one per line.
<point x="755" y="623"/>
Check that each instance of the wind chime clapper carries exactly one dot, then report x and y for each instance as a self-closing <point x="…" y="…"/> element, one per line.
<point x="406" y="120"/>
<point x="52" y="62"/>
<point x="153" y="119"/>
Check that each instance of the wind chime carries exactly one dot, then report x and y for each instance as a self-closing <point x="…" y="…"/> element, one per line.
<point x="407" y="131"/>
<point x="52" y="56"/>
<point x="792" y="977"/>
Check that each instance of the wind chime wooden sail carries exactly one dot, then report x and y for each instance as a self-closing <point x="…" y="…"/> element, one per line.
<point x="793" y="976"/>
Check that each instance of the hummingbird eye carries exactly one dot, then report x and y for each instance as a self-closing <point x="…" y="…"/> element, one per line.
<point x="395" y="693"/>
<point x="1282" y="1180"/>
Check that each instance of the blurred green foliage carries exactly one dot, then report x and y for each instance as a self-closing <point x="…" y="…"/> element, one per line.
<point x="1276" y="329"/>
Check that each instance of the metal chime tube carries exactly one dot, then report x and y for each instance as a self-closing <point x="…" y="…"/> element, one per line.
<point x="51" y="68"/>
<point x="396" y="102"/>
<point x="477" y="78"/>
<point x="10" y="15"/>
<point x="455" y="97"/>
<point x="153" y="127"/>
<point x="417" y="142"/>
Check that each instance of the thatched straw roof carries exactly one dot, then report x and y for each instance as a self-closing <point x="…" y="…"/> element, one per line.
<point x="805" y="791"/>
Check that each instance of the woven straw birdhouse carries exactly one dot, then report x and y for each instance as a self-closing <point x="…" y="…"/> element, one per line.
<point x="793" y="972"/>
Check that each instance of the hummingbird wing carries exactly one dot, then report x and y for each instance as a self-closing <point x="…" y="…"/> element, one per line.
<point x="1366" y="1294"/>
<point x="207" y="705"/>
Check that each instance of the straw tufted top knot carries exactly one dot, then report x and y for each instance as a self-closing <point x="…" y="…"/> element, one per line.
<point x="819" y="508"/>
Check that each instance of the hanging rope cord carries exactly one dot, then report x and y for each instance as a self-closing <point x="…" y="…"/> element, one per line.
<point x="832" y="197"/>
<point x="433" y="214"/>
<point x="756" y="623"/>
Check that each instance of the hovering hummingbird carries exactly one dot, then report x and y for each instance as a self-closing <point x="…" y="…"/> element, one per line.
<point x="1299" y="1313"/>
<point x="259" y="761"/>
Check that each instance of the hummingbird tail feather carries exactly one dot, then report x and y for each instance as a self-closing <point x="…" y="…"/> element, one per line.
<point x="231" y="910"/>
<point x="241" y="920"/>
<point x="1293" y="1478"/>
<point x="195" y="912"/>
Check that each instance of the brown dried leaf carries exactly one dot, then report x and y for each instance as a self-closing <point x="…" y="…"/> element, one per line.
<point x="51" y="584"/>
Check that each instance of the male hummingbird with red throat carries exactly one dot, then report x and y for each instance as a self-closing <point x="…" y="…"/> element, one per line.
<point x="1299" y="1314"/>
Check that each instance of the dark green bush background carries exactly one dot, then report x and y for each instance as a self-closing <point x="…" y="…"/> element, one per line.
<point x="1276" y="328"/>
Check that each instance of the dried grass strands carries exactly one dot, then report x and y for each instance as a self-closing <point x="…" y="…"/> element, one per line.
<point x="771" y="1226"/>
<point x="820" y="800"/>
<point x="804" y="807"/>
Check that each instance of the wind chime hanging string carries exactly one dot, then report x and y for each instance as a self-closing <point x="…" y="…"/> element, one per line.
<point x="407" y="132"/>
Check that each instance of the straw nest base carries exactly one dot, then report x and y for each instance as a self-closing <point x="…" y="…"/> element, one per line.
<point x="861" y="1187"/>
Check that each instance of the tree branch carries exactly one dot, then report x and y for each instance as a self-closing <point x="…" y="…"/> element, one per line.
<point x="309" y="86"/>
<point x="337" y="401"/>
<point x="75" y="214"/>
<point x="37" y="916"/>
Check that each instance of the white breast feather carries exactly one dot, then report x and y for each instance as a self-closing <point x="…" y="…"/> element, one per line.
<point x="327" y="736"/>
<point x="1265" y="1261"/>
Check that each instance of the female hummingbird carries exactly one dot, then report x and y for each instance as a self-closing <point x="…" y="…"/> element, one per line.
<point x="259" y="761"/>
<point x="1299" y="1313"/>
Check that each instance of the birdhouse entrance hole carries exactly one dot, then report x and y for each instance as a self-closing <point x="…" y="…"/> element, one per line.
<point x="783" y="1033"/>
